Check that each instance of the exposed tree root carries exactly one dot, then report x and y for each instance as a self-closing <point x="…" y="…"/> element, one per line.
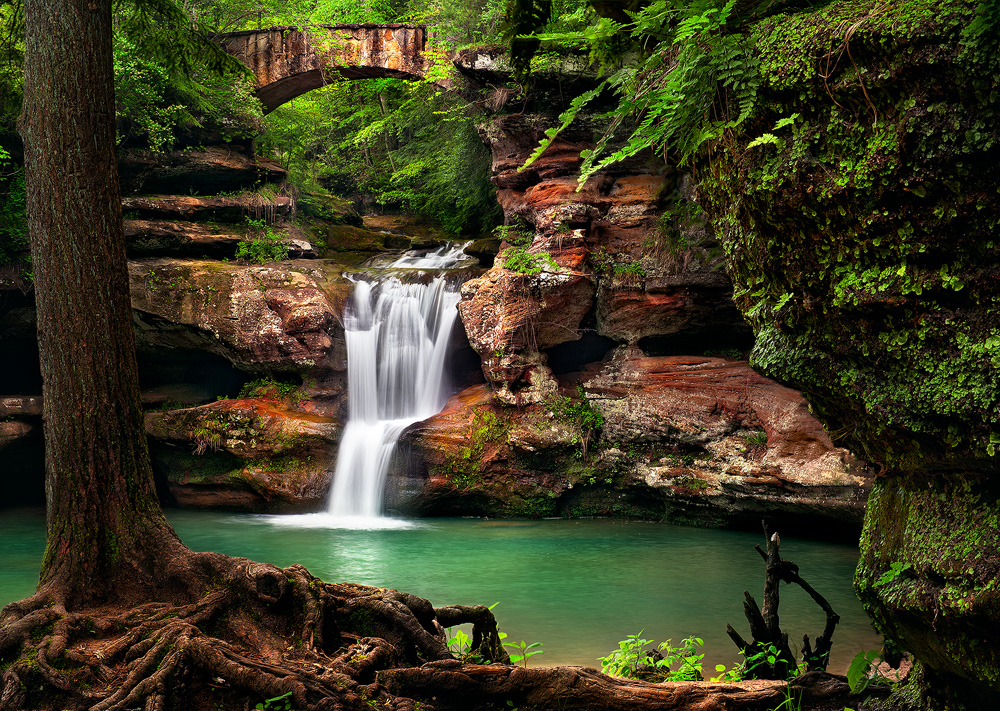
<point x="260" y="632"/>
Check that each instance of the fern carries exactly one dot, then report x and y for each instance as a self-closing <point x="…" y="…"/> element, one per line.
<point x="565" y="119"/>
<point x="698" y="80"/>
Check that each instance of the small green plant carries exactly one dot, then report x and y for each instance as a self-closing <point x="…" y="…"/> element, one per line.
<point x="523" y="650"/>
<point x="769" y="656"/>
<point x="632" y="659"/>
<point x="578" y="413"/>
<point x="209" y="434"/>
<point x="629" y="270"/>
<point x="278" y="703"/>
<point x="519" y="233"/>
<point x="267" y="388"/>
<point x="759" y="437"/>
<point x="726" y="674"/>
<point x="896" y="570"/>
<point x="459" y="643"/>
<point x="864" y="672"/>
<point x="518" y="259"/>
<point x="262" y="244"/>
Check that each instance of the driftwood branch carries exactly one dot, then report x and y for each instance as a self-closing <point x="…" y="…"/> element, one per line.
<point x="768" y="655"/>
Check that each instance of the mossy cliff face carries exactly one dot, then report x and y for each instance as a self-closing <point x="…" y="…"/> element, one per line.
<point x="863" y="241"/>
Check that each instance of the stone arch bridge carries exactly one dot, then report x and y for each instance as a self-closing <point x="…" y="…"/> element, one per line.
<point x="289" y="61"/>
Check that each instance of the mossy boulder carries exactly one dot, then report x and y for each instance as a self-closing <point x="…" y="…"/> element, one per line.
<point x="247" y="455"/>
<point x="860" y="208"/>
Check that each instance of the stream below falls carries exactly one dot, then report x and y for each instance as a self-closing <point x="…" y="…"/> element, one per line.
<point x="577" y="586"/>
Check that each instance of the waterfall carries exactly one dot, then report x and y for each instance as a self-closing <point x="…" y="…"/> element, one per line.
<point x="397" y="338"/>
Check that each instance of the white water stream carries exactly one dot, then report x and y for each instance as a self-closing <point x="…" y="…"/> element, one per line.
<point x="397" y="340"/>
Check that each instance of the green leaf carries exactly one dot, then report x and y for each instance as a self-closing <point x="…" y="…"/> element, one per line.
<point x="857" y="674"/>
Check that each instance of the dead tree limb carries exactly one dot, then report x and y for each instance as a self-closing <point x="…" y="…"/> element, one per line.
<point x="768" y="655"/>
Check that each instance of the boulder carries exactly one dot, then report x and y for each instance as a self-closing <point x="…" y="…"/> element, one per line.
<point x="261" y="318"/>
<point x="246" y="455"/>
<point x="511" y="317"/>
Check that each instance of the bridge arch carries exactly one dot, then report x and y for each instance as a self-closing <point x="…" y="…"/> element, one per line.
<point x="288" y="61"/>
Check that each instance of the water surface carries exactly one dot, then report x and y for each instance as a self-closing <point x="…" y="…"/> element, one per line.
<point x="576" y="586"/>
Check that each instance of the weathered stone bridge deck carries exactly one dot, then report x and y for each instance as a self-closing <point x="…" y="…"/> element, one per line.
<point x="290" y="61"/>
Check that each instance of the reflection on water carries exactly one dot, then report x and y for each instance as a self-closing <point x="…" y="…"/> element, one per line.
<point x="576" y="586"/>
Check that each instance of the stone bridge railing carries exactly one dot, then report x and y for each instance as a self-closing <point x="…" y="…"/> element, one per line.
<point x="289" y="61"/>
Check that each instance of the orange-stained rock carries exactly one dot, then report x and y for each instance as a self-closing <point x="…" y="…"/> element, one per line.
<point x="510" y="317"/>
<point x="683" y="439"/>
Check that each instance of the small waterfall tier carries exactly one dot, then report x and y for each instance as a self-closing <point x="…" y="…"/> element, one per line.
<point x="397" y="339"/>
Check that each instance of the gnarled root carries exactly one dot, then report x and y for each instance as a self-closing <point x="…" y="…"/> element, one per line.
<point x="259" y="632"/>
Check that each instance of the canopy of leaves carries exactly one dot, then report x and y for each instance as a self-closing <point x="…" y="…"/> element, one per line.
<point x="405" y="145"/>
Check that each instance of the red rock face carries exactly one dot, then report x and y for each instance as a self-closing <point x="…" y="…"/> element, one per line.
<point x="691" y="439"/>
<point x="619" y="274"/>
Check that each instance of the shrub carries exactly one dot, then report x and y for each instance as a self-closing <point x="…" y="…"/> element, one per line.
<point x="262" y="244"/>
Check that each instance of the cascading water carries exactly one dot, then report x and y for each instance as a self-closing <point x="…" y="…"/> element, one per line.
<point x="397" y="339"/>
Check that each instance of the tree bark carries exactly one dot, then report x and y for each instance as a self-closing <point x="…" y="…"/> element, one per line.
<point x="106" y="533"/>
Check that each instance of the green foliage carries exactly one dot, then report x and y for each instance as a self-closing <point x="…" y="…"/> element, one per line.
<point x="523" y="650"/>
<point x="486" y="428"/>
<point x="268" y="388"/>
<point x="11" y="61"/>
<point x="459" y="643"/>
<point x="519" y="233"/>
<point x="285" y="702"/>
<point x="579" y="413"/>
<point x="698" y="79"/>
<point x="262" y="244"/>
<point x="406" y="145"/>
<point x="768" y="657"/>
<point x="634" y="660"/>
<point x="858" y="676"/>
<point x="629" y="270"/>
<point x="13" y="220"/>
<point x="209" y="434"/>
<point x="518" y="259"/>
<point x="895" y="571"/>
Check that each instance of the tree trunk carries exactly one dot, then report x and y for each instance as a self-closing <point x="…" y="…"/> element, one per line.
<point x="106" y="534"/>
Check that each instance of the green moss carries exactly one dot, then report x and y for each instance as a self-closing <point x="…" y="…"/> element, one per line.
<point x="464" y="467"/>
<point x="943" y="544"/>
<point x="865" y="233"/>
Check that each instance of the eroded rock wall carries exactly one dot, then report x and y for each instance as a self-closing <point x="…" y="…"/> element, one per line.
<point x="600" y="328"/>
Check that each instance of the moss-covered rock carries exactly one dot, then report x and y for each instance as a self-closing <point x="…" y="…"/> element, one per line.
<point x="865" y="232"/>
<point x="247" y="455"/>
<point x="859" y="207"/>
